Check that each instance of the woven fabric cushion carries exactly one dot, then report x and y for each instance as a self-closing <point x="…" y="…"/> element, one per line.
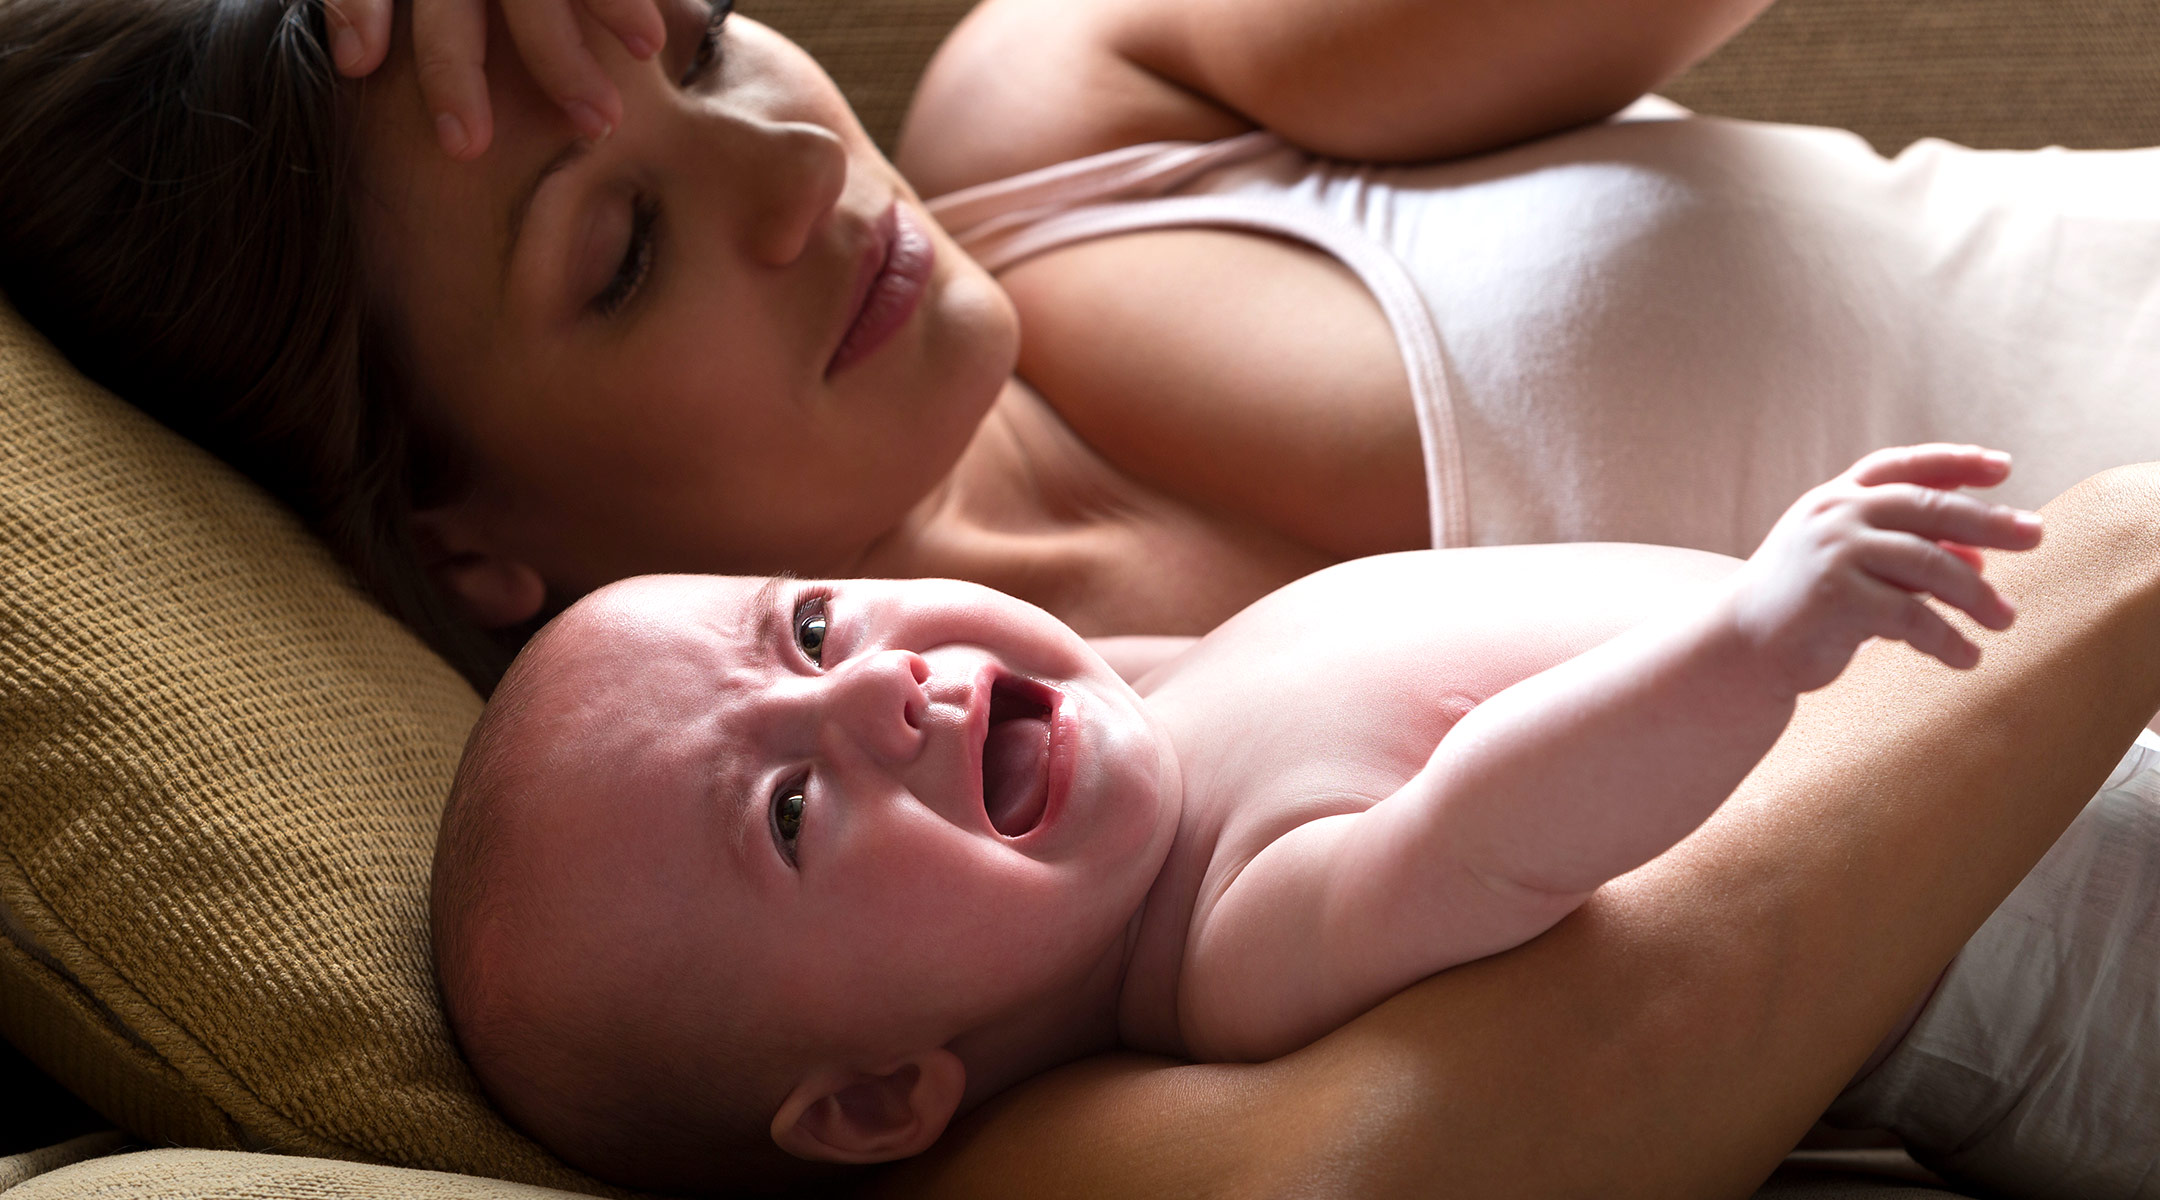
<point x="220" y="773"/>
<point x="222" y="1175"/>
<point x="212" y="1175"/>
<point x="874" y="49"/>
<point x="1988" y="73"/>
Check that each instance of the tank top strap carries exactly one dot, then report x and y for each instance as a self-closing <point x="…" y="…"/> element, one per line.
<point x="1124" y="191"/>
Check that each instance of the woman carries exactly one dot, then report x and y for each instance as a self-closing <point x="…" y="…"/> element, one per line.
<point x="1694" y="322"/>
<point x="438" y="402"/>
<point x="563" y="378"/>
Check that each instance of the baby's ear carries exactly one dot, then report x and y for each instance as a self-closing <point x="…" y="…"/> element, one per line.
<point x="841" y="1115"/>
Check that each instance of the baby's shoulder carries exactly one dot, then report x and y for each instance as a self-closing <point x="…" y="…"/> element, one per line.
<point x="1374" y="659"/>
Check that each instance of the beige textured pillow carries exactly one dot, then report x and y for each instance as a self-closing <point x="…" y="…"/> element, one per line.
<point x="218" y="1175"/>
<point x="874" y="49"/>
<point x="1988" y="73"/>
<point x="220" y="773"/>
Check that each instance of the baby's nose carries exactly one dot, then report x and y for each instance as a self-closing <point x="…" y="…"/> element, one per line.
<point x="879" y="700"/>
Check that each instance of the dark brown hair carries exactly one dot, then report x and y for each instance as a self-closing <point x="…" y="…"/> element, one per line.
<point x="176" y="215"/>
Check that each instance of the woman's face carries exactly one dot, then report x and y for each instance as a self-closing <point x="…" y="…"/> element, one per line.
<point x="725" y="338"/>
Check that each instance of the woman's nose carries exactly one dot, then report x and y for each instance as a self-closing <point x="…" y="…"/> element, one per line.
<point x="877" y="702"/>
<point x="791" y="186"/>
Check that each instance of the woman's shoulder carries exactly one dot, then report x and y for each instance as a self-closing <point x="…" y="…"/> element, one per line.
<point x="1023" y="84"/>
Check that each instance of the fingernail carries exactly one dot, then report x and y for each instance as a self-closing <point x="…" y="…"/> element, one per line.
<point x="345" y="47"/>
<point x="639" y="47"/>
<point x="451" y="132"/>
<point x="2028" y="521"/>
<point x="588" y="120"/>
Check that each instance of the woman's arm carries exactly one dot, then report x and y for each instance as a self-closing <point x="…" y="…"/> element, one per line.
<point x="1026" y="83"/>
<point x="1681" y="1031"/>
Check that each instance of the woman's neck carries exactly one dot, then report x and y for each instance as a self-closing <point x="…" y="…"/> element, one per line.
<point x="1026" y="510"/>
<point x="1035" y="511"/>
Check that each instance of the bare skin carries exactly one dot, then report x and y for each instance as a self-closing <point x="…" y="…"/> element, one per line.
<point x="1768" y="1021"/>
<point x="1755" y="965"/>
<point x="1266" y="433"/>
<point x="999" y="894"/>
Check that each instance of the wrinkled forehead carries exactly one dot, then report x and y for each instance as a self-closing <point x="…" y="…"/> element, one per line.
<point x="649" y="650"/>
<point x="622" y="714"/>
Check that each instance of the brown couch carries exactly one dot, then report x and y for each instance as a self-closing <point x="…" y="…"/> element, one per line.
<point x="192" y="694"/>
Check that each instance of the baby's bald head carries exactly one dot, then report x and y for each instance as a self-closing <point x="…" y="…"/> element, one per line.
<point x="566" y="991"/>
<point x="733" y="862"/>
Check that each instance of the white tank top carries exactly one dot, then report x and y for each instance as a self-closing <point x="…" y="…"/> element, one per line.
<point x="1664" y="328"/>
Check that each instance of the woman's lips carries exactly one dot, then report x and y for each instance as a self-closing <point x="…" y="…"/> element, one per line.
<point x="892" y="286"/>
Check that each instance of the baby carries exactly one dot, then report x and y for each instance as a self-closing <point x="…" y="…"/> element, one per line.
<point x="741" y="874"/>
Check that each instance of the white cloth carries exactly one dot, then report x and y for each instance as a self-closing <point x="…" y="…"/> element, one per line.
<point x="1664" y="330"/>
<point x="2034" y="1070"/>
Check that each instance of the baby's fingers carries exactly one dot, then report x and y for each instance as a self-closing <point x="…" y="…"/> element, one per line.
<point x="1950" y="517"/>
<point x="1922" y="628"/>
<point x="1935" y="465"/>
<point x="1914" y="565"/>
<point x="450" y="53"/>
<point x="359" y="34"/>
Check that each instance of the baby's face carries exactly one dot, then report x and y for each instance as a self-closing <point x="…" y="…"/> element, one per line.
<point x="863" y="816"/>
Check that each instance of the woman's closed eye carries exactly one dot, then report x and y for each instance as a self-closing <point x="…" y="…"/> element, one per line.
<point x="637" y="257"/>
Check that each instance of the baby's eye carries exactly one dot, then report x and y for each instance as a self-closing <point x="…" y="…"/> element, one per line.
<point x="787" y="813"/>
<point x="810" y="628"/>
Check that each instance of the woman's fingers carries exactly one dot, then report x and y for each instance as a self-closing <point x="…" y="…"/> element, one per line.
<point x="450" y="59"/>
<point x="1935" y="465"/>
<point x="450" y="56"/>
<point x="637" y="24"/>
<point x="552" y="43"/>
<point x="1917" y="566"/>
<point x="359" y="34"/>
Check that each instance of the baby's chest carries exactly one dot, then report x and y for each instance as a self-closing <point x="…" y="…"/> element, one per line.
<point x="1241" y="372"/>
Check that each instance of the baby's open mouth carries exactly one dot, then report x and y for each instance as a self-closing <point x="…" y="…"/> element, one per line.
<point x="1016" y="754"/>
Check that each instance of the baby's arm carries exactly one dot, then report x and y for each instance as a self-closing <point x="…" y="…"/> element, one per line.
<point x="1590" y="769"/>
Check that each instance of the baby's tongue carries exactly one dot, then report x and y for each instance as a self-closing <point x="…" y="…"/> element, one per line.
<point x="1016" y="759"/>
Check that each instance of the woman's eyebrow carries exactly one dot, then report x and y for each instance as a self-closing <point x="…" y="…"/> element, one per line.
<point x="521" y="204"/>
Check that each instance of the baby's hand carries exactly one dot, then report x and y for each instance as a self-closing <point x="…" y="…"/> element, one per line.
<point x="450" y="47"/>
<point x="1855" y="557"/>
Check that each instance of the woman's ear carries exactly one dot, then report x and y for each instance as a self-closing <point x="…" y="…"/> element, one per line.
<point x="839" y="1115"/>
<point x="494" y="591"/>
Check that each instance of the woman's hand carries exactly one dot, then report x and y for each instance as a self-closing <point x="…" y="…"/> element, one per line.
<point x="1856" y="557"/>
<point x="450" y="40"/>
